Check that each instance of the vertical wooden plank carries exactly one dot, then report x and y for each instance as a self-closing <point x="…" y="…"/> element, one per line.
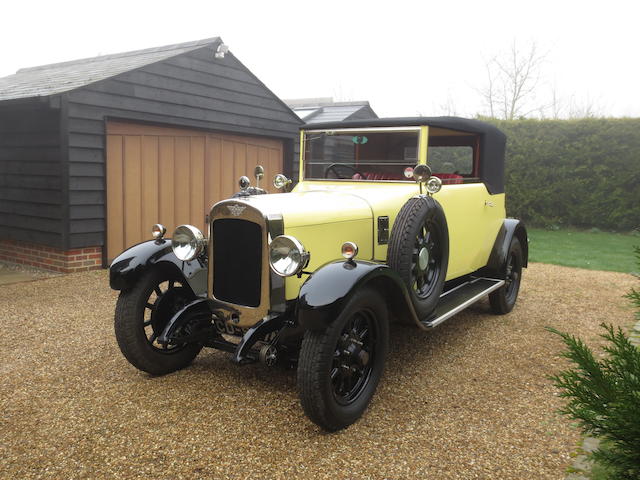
<point x="227" y="185"/>
<point x="275" y="166"/>
<point x="149" y="185"/>
<point x="252" y="160"/>
<point x="197" y="181"/>
<point x="165" y="180"/>
<point x="182" y="166"/>
<point x="263" y="159"/>
<point x="132" y="190"/>
<point x="240" y="165"/>
<point x="115" y="221"/>
<point x="212" y="171"/>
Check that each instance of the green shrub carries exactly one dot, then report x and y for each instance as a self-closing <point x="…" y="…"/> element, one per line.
<point x="583" y="173"/>
<point x="604" y="397"/>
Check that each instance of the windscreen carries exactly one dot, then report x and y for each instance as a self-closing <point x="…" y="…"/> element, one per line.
<point x="363" y="155"/>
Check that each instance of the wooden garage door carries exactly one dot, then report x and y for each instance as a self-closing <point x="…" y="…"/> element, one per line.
<point x="173" y="176"/>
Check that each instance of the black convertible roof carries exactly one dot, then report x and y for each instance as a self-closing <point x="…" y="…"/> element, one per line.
<point x="492" y="140"/>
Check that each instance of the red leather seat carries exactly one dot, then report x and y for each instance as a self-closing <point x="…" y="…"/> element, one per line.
<point x="449" y="178"/>
<point x="376" y="176"/>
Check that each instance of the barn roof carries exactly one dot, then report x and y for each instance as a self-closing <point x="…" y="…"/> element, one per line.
<point x="46" y="80"/>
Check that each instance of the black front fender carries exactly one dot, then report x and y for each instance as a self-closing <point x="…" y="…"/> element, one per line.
<point x="324" y="294"/>
<point x="127" y="267"/>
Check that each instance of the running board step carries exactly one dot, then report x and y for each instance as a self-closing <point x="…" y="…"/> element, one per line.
<point x="459" y="298"/>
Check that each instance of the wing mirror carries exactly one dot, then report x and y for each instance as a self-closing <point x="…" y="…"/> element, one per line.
<point x="421" y="173"/>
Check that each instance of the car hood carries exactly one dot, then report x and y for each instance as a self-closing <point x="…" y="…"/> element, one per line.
<point x="312" y="207"/>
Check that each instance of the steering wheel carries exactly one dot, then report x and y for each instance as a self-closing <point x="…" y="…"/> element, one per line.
<point x="335" y="167"/>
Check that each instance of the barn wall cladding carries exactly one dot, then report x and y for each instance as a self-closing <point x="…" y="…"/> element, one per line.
<point x="53" y="142"/>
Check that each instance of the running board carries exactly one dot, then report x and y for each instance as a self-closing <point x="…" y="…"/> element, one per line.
<point x="459" y="298"/>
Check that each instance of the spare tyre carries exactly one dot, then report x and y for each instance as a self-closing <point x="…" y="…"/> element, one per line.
<point x="419" y="251"/>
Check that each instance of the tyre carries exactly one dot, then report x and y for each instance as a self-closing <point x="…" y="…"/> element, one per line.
<point x="419" y="251"/>
<point x="503" y="300"/>
<point x="339" y="368"/>
<point x="142" y="313"/>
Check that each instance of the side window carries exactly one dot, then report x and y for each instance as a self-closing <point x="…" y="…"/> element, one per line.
<point x="453" y="156"/>
<point x="451" y="160"/>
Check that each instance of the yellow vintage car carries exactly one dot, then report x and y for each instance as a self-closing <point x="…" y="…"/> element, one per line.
<point x="399" y="219"/>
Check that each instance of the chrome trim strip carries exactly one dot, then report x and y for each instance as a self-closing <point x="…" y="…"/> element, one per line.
<point x="462" y="306"/>
<point x="275" y="228"/>
<point x="475" y="279"/>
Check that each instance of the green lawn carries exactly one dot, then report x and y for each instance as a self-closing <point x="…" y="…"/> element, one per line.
<point x="583" y="249"/>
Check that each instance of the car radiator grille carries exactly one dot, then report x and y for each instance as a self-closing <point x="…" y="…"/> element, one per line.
<point x="237" y="261"/>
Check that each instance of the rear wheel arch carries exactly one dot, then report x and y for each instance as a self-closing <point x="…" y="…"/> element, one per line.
<point x="510" y="228"/>
<point x="521" y="233"/>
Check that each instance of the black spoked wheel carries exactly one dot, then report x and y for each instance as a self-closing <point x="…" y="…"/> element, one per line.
<point x="141" y="315"/>
<point x="339" y="368"/>
<point x="353" y="357"/>
<point x="504" y="299"/>
<point x="419" y="251"/>
<point x="425" y="261"/>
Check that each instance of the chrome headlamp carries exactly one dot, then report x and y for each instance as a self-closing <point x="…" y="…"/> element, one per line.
<point x="187" y="242"/>
<point x="287" y="256"/>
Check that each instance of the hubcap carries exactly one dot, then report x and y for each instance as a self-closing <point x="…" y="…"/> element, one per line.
<point x="423" y="258"/>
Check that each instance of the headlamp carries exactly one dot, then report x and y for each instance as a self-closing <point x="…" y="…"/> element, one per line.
<point x="287" y="256"/>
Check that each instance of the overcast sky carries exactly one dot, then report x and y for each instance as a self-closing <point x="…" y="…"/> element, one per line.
<point x="405" y="58"/>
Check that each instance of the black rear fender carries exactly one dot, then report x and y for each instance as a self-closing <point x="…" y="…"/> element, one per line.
<point x="511" y="227"/>
<point x="324" y="294"/>
<point x="127" y="267"/>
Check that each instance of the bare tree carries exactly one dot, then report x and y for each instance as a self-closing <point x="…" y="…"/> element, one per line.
<point x="512" y="78"/>
<point x="557" y="105"/>
<point x="448" y="107"/>
<point x="584" y="108"/>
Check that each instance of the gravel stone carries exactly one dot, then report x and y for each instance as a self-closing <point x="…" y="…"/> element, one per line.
<point x="467" y="400"/>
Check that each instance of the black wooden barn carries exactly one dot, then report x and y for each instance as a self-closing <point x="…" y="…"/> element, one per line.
<point x="95" y="151"/>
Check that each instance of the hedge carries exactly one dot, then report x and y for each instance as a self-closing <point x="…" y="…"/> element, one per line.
<point x="581" y="173"/>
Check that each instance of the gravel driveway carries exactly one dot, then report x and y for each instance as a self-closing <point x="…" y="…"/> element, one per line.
<point x="468" y="400"/>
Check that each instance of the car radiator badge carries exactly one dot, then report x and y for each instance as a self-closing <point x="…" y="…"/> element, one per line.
<point x="236" y="210"/>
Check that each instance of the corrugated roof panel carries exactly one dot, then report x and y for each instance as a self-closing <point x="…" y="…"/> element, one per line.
<point x="329" y="114"/>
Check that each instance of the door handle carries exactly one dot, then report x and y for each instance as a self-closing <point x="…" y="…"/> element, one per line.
<point x="489" y="203"/>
